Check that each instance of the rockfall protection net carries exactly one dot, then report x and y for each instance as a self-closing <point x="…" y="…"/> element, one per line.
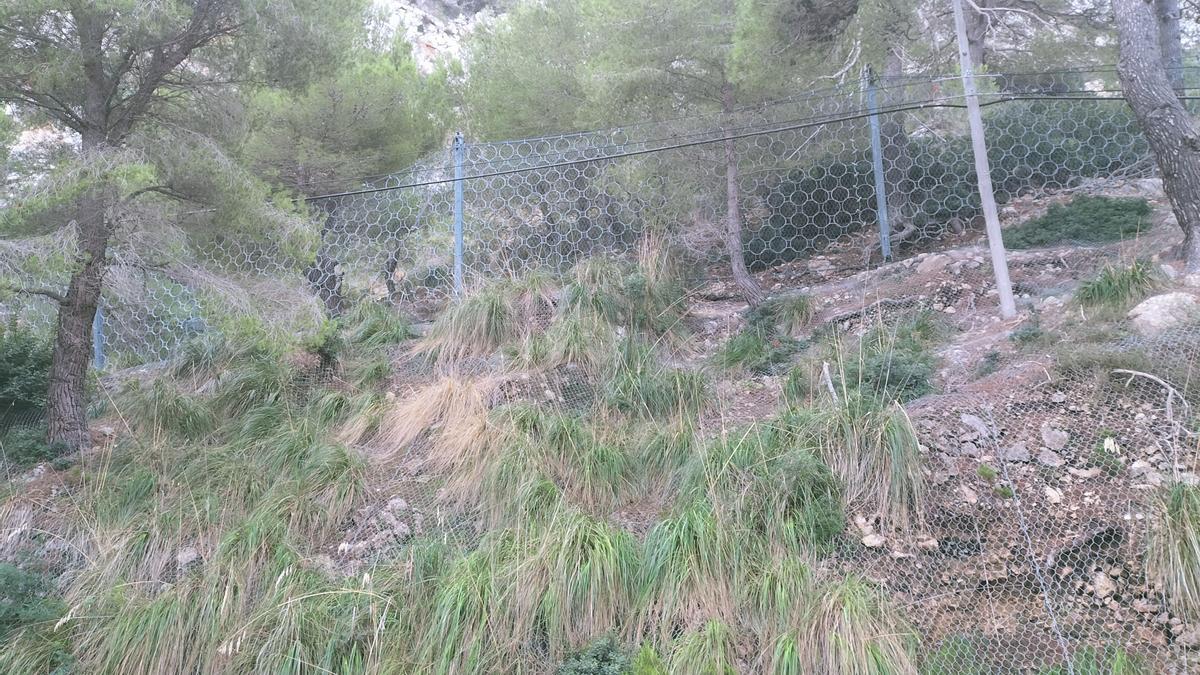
<point x="1050" y="450"/>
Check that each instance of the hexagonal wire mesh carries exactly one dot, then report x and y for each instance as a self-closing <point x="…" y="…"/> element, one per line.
<point x="1043" y="485"/>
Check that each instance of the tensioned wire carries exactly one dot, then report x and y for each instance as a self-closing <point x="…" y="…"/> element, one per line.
<point x="721" y="136"/>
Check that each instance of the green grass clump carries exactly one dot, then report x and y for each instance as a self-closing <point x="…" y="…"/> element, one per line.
<point x="575" y="337"/>
<point x="708" y="650"/>
<point x="1003" y="492"/>
<point x="640" y="384"/>
<point x="766" y="343"/>
<point x="161" y="408"/>
<point x="779" y="490"/>
<point x="372" y="324"/>
<point x="1106" y="661"/>
<point x="1173" y="556"/>
<point x="780" y="591"/>
<point x="583" y="574"/>
<point x="691" y="564"/>
<point x="487" y="319"/>
<point x="1085" y="220"/>
<point x="649" y="296"/>
<point x="782" y="314"/>
<point x="1119" y="287"/>
<point x="580" y="460"/>
<point x="873" y="450"/>
<point x="987" y="473"/>
<point x="755" y="350"/>
<point x="850" y="628"/>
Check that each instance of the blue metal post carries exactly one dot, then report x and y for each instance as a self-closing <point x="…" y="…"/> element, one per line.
<point x="885" y="228"/>
<point x="98" y="338"/>
<point x="459" y="152"/>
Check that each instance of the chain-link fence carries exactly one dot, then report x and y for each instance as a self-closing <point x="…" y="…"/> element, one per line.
<point x="1047" y="452"/>
<point x="804" y="200"/>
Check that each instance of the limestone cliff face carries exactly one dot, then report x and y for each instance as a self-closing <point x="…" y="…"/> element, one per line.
<point x="437" y="28"/>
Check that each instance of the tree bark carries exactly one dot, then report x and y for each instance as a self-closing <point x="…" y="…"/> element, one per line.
<point x="733" y="215"/>
<point x="1170" y="41"/>
<point x="1173" y="135"/>
<point x="323" y="275"/>
<point x="897" y="163"/>
<point x="66" y="408"/>
<point x="977" y="27"/>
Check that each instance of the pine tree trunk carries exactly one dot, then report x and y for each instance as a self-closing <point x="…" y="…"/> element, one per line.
<point x="897" y="162"/>
<point x="1173" y="135"/>
<point x="733" y="217"/>
<point x="66" y="408"/>
<point x="323" y="275"/>
<point x="977" y="25"/>
<point x="1170" y="41"/>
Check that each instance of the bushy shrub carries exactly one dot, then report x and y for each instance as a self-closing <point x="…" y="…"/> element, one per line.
<point x="22" y="447"/>
<point x="602" y="657"/>
<point x="1030" y="145"/>
<point x="24" y="369"/>
<point x="894" y="363"/>
<point x="1086" y="220"/>
<point x="23" y="599"/>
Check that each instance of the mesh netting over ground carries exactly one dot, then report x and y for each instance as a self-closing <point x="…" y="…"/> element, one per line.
<point x="871" y="471"/>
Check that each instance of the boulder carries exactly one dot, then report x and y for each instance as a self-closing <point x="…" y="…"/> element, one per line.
<point x="1055" y="439"/>
<point x="1154" y="315"/>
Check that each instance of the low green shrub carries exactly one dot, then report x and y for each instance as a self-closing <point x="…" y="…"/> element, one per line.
<point x="24" y="600"/>
<point x="26" y="446"/>
<point x="603" y="657"/>
<point x="1085" y="220"/>
<point x="24" y="369"/>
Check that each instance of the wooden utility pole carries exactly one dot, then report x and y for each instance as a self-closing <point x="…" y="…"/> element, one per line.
<point x="991" y="215"/>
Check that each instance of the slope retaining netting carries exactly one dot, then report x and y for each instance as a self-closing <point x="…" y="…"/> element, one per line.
<point x="797" y="176"/>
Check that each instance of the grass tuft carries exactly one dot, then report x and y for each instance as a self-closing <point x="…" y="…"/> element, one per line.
<point x="1173" y="555"/>
<point x="373" y="325"/>
<point x="851" y="628"/>
<point x="488" y="319"/>
<point x="709" y="650"/>
<point x="640" y="384"/>
<point x="873" y="450"/>
<point x="1119" y="287"/>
